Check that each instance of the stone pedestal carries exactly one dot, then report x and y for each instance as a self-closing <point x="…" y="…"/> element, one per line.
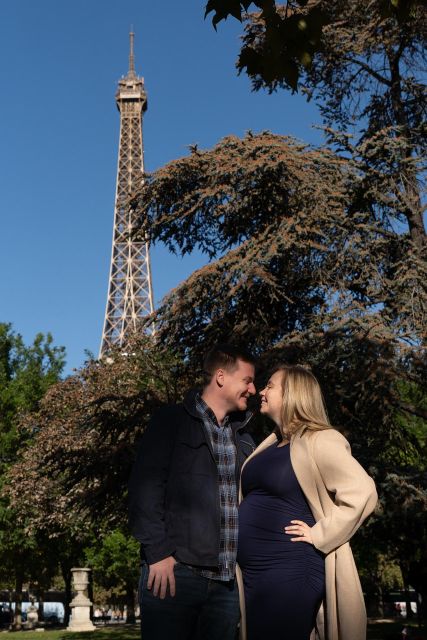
<point x="80" y="605"/>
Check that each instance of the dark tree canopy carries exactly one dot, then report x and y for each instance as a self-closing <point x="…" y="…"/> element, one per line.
<point x="283" y="38"/>
<point x="86" y="427"/>
<point x="292" y="245"/>
<point x="306" y="266"/>
<point x="364" y="64"/>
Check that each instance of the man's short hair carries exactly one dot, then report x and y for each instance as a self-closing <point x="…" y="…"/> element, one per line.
<point x="224" y="356"/>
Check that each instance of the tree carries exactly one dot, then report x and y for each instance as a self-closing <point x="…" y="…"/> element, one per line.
<point x="113" y="560"/>
<point x="363" y="64"/>
<point x="291" y="33"/>
<point x="304" y="270"/>
<point x="25" y="375"/>
<point x="26" y="372"/>
<point x="76" y="468"/>
<point x="280" y="219"/>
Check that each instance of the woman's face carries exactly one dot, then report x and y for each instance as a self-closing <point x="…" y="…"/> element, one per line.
<point x="271" y="397"/>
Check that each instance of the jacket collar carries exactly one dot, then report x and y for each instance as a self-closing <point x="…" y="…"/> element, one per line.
<point x="238" y="419"/>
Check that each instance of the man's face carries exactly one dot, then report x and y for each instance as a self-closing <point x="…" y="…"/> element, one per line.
<point x="238" y="385"/>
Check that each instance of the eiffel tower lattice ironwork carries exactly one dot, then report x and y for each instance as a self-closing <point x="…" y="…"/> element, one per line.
<point x="130" y="294"/>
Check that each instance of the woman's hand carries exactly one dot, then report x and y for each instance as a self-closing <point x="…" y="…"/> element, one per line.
<point x="300" y="529"/>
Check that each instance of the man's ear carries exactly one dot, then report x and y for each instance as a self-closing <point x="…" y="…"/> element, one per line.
<point x="219" y="377"/>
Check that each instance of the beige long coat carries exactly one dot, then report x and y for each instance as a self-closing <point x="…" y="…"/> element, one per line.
<point x="341" y="495"/>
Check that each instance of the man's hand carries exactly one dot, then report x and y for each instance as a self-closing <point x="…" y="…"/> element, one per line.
<point x="161" y="573"/>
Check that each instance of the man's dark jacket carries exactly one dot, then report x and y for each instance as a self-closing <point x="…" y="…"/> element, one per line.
<point x="173" y="492"/>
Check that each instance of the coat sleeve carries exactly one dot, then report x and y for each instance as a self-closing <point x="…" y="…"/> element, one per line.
<point x="351" y="488"/>
<point x="147" y="486"/>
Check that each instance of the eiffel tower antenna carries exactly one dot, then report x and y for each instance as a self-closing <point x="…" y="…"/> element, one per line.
<point x="130" y="293"/>
<point x="131" y="53"/>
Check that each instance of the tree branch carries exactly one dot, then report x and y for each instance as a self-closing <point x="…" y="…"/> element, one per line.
<point x="369" y="70"/>
<point x="409" y="408"/>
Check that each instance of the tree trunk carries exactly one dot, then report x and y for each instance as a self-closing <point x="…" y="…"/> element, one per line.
<point x="90" y="594"/>
<point x="66" y="574"/>
<point x="418" y="578"/>
<point x="130" y="604"/>
<point x="413" y="209"/>
<point x="40" y="599"/>
<point x="380" y="601"/>
<point x="17" y="618"/>
<point x="373" y="597"/>
<point x="406" y="582"/>
<point x="409" y="613"/>
<point x="414" y="213"/>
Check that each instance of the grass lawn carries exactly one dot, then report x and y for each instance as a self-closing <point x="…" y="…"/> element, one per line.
<point x="116" y="632"/>
<point x="376" y="631"/>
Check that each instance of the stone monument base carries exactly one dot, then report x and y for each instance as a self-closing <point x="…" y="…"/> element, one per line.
<point x="80" y="620"/>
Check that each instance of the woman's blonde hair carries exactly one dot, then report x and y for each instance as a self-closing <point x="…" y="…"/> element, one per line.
<point x="302" y="400"/>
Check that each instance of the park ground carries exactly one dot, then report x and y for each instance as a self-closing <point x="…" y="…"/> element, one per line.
<point x="377" y="630"/>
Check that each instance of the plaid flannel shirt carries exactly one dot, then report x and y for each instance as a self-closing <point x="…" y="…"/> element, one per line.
<point x="224" y="450"/>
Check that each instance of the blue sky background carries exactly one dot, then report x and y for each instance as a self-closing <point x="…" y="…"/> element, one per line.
<point x="60" y="62"/>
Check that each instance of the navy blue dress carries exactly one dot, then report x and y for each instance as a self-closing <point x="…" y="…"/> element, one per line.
<point x="284" y="581"/>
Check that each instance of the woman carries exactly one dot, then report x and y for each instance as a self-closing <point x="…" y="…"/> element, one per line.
<point x="304" y="496"/>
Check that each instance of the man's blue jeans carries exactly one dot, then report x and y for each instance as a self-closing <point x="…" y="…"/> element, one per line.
<point x="202" y="609"/>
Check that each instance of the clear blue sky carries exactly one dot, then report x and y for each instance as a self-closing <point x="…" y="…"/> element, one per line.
<point x="60" y="61"/>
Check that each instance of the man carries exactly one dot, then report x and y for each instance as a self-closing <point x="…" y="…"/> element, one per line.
<point x="183" y="504"/>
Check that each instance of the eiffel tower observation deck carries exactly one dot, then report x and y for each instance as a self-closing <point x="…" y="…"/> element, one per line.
<point x="130" y="294"/>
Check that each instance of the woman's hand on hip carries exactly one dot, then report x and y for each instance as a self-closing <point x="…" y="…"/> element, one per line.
<point x="300" y="529"/>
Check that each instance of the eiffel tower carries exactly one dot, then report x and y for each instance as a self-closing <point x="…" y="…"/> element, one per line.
<point x="130" y="294"/>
